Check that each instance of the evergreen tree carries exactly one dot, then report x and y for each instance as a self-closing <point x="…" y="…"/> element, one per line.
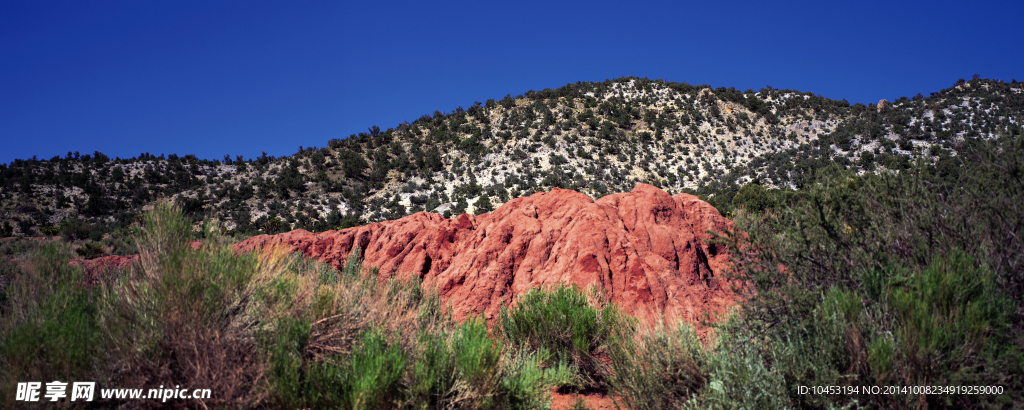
<point x="483" y="204"/>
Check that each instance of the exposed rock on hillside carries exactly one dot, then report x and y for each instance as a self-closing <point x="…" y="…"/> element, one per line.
<point x="97" y="267"/>
<point x="646" y="249"/>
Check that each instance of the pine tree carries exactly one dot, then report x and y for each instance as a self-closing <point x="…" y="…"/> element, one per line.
<point x="483" y="204"/>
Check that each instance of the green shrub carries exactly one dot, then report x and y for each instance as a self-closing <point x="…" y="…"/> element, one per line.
<point x="483" y="204"/>
<point x="944" y="325"/>
<point x="90" y="250"/>
<point x="456" y="367"/>
<point x="372" y="380"/>
<point x="50" y="328"/>
<point x="844" y="226"/>
<point x="446" y="365"/>
<point x="950" y="318"/>
<point x="432" y="374"/>
<point x="477" y="357"/>
<point x="17" y="248"/>
<point x="754" y="198"/>
<point x="184" y="316"/>
<point x="562" y="321"/>
<point x="122" y="241"/>
<point x="824" y="350"/>
<point x="662" y="368"/>
<point x="75" y="229"/>
<point x="286" y="367"/>
<point x="526" y="383"/>
<point x="334" y="327"/>
<point x="368" y="379"/>
<point x="876" y="280"/>
<point x="739" y="379"/>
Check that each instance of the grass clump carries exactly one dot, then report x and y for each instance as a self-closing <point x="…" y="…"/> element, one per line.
<point x="372" y="379"/>
<point x="951" y="319"/>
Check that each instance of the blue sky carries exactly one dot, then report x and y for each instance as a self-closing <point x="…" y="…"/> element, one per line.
<point x="213" y="78"/>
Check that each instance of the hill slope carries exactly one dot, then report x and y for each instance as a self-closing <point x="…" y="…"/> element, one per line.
<point x="596" y="138"/>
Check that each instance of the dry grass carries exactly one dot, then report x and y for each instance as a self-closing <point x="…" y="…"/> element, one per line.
<point x="182" y="316"/>
<point x="269" y="330"/>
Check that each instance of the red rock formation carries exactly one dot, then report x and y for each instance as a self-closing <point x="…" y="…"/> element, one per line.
<point x="97" y="267"/>
<point x="645" y="248"/>
<point x="106" y="262"/>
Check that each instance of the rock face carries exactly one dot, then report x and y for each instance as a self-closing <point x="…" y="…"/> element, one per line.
<point x="645" y="249"/>
<point x="104" y="264"/>
<point x="95" y="268"/>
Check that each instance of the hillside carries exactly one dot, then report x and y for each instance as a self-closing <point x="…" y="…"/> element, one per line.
<point x="596" y="138"/>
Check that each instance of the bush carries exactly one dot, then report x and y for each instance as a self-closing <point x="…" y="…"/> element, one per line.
<point x="563" y="322"/>
<point x="373" y="375"/>
<point x="824" y="350"/>
<point x="950" y="318"/>
<point x="483" y="204"/>
<point x="50" y="230"/>
<point x="75" y="229"/>
<point x="90" y="250"/>
<point x="739" y="379"/>
<point x="362" y="343"/>
<point x="122" y="241"/>
<point x="754" y="198"/>
<point x="877" y="280"/>
<point x="463" y="366"/>
<point x="526" y="384"/>
<point x="660" y="368"/>
<point x="50" y="327"/>
<point x="182" y="318"/>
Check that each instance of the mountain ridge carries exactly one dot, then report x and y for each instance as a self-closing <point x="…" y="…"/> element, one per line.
<point x="597" y="138"/>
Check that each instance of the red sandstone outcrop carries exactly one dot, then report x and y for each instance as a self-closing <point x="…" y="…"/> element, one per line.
<point x="104" y="264"/>
<point x="97" y="267"/>
<point x="646" y="249"/>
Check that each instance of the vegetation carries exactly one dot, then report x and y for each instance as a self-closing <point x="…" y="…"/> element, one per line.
<point x="261" y="331"/>
<point x="906" y="279"/>
<point x="874" y="246"/>
<point x="597" y="138"/>
<point x="888" y="280"/>
<point x="563" y="324"/>
<point x="50" y="325"/>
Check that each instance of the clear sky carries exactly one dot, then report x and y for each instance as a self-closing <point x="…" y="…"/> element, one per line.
<point x="212" y="78"/>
